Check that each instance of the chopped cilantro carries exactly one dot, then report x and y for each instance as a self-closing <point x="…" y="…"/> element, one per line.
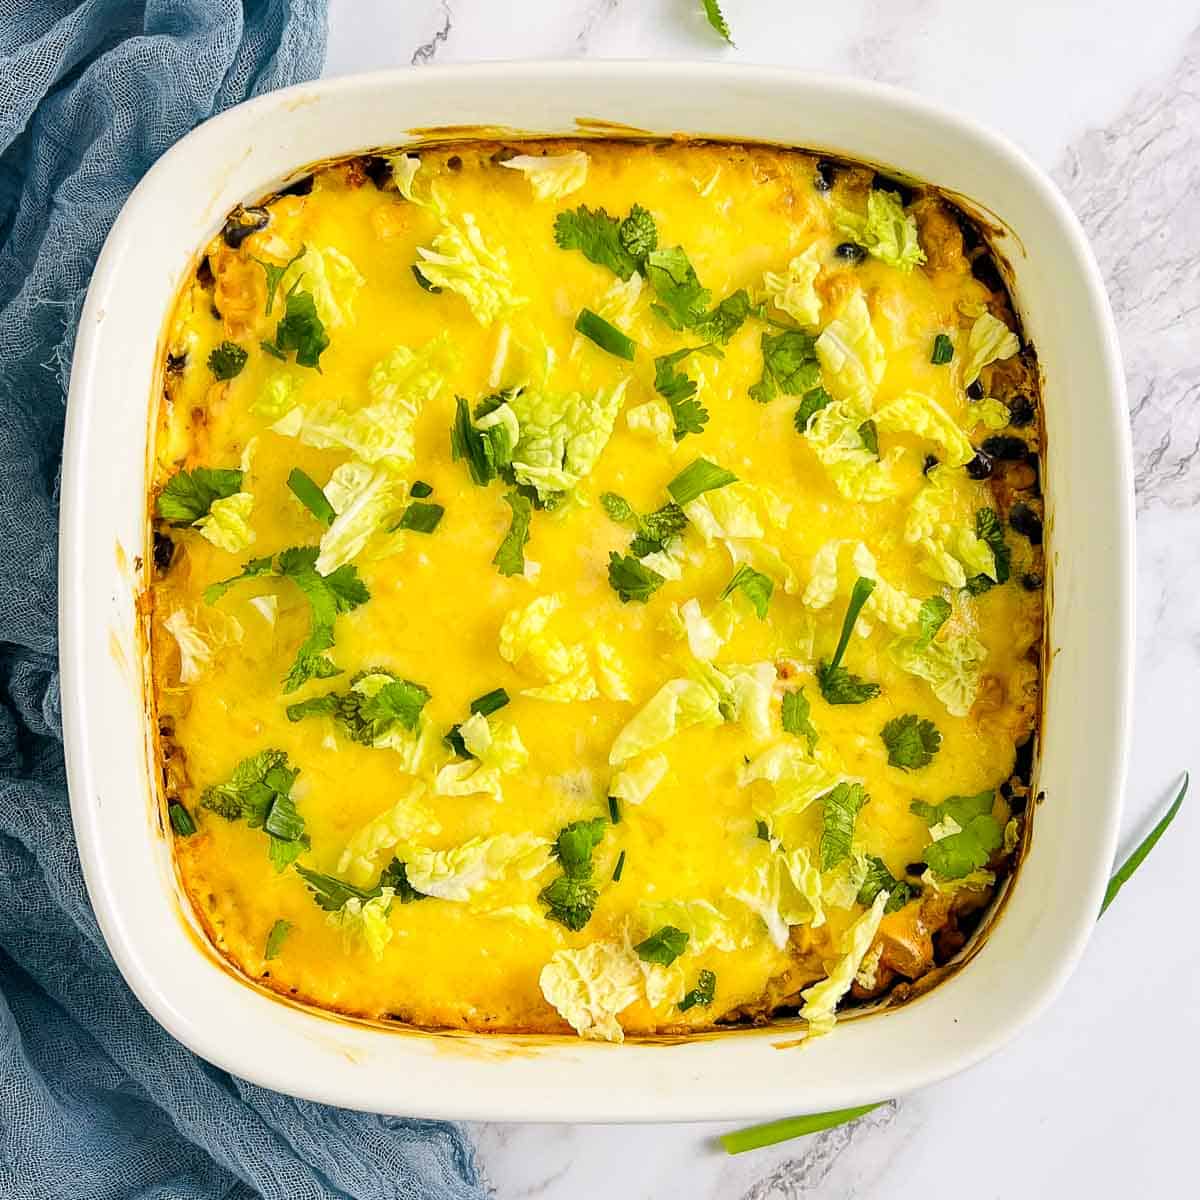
<point x="487" y="451"/>
<point x="606" y="335"/>
<point x="969" y="848"/>
<point x="630" y="579"/>
<point x="716" y="19"/>
<point x="188" y="495"/>
<point x="420" y="490"/>
<point x="839" y="811"/>
<point x="330" y="892"/>
<point x="679" y="391"/>
<point x="309" y="493"/>
<point x="790" y="367"/>
<point x="933" y="615"/>
<point x="663" y="946"/>
<point x="795" y="716"/>
<point x="510" y="557"/>
<point x="838" y="686"/>
<point x="490" y="702"/>
<point x="726" y="319"/>
<point x="911" y="742"/>
<point x="638" y="233"/>
<point x="368" y="718"/>
<point x="420" y="517"/>
<point x="618" y="508"/>
<point x="870" y="437"/>
<point x="301" y="330"/>
<point x="697" y="478"/>
<point x="990" y="530"/>
<point x="702" y="994"/>
<point x="656" y="530"/>
<point x="683" y="300"/>
<point x="943" y="350"/>
<point x="754" y="585"/>
<point x="276" y="938"/>
<point x="275" y="275"/>
<point x="182" y="821"/>
<point x="395" y="875"/>
<point x="814" y="400"/>
<point x="598" y="236"/>
<point x="762" y="831"/>
<point x="571" y="897"/>
<point x="258" y="792"/>
<point x="227" y="361"/>
<point x="575" y="842"/>
<point x="880" y="879"/>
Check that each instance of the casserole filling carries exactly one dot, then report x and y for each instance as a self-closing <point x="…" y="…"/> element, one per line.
<point x="596" y="586"/>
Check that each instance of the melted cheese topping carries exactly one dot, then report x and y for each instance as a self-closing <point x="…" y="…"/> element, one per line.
<point x="690" y="852"/>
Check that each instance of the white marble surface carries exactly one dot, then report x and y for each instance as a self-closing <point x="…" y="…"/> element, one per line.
<point x="1099" y="1098"/>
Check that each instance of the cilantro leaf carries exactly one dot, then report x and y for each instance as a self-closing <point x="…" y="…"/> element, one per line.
<point x="968" y="849"/>
<point x="655" y="530"/>
<point x="990" y="530"/>
<point x="301" y="330"/>
<point x="618" y="508"/>
<point x="716" y="18"/>
<point x="911" y="742"/>
<point x="188" y="495"/>
<point x="683" y="300"/>
<point x="727" y="318"/>
<point x="754" y="585"/>
<point x="933" y="615"/>
<point x="311" y="495"/>
<point x="696" y="478"/>
<point x="838" y="814"/>
<point x="638" y="233"/>
<point x="630" y="579"/>
<point x="395" y="875"/>
<point x="509" y="559"/>
<point x="368" y="718"/>
<point x="679" y="391"/>
<point x="880" y="879"/>
<point x="276" y="938"/>
<point x="275" y="275"/>
<point x="571" y="897"/>
<point x="258" y="792"/>
<point x="870" y="437"/>
<point x="838" y="686"/>
<point x="795" y="716"/>
<point x="814" y="400"/>
<point x="598" y="236"/>
<point x="790" y="368"/>
<point x="420" y="517"/>
<point x="227" y="361"/>
<point x="254" y="568"/>
<point x="574" y="845"/>
<point x="330" y="892"/>
<point x="487" y="451"/>
<point x="702" y="993"/>
<point x="663" y="946"/>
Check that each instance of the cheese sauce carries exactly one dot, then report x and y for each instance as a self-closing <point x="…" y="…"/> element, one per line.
<point x="738" y="843"/>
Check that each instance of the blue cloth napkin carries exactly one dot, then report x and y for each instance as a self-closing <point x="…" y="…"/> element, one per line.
<point x="95" y="1099"/>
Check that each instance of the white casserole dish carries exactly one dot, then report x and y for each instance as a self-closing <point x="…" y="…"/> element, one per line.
<point x="744" y="1073"/>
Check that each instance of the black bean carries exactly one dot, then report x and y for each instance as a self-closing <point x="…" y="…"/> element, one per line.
<point x="885" y="183"/>
<point x="969" y="231"/>
<point x="1006" y="447"/>
<point x="241" y="223"/>
<point x="1023" y="767"/>
<point x="824" y="175"/>
<point x="298" y="187"/>
<point x="164" y="550"/>
<point x="975" y="390"/>
<point x="377" y="169"/>
<point x="981" y="466"/>
<point x="216" y="312"/>
<point x="1020" y="411"/>
<point x="985" y="270"/>
<point x="1025" y="521"/>
<point x="915" y="868"/>
<point x="454" y="163"/>
<point x="1031" y="581"/>
<point x="931" y="461"/>
<point x="850" y="252"/>
<point x="204" y="274"/>
<point x="1017" y="802"/>
<point x="176" y="363"/>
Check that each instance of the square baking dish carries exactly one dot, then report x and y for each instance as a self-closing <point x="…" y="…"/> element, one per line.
<point x="743" y="1073"/>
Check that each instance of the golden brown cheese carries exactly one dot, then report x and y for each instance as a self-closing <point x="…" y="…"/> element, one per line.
<point x="692" y="853"/>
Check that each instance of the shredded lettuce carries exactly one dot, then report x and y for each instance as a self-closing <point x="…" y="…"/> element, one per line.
<point x="497" y="750"/>
<point x="366" y="501"/>
<point x="917" y="414"/>
<point x="728" y="512"/>
<point x="887" y="232"/>
<point x="990" y="412"/>
<point x="899" y="611"/>
<point x="989" y="340"/>
<point x="408" y="819"/>
<point x="676" y="706"/>
<point x="619" y="304"/>
<point x="278" y="396"/>
<point x="768" y="888"/>
<point x="702" y="637"/>
<point x="365" y="923"/>
<point x="227" y="523"/>
<point x="467" y="871"/>
<point x="951" y="666"/>
<point x="805" y="877"/>
<point x="852" y="357"/>
<point x="764" y="558"/>
<point x="612" y="677"/>
<point x="633" y="784"/>
<point x="591" y="986"/>
<point x="331" y="279"/>
<point x="554" y="176"/>
<point x="199" y="638"/>
<point x="566" y="669"/>
<point x="653" y="418"/>
<point x="856" y="471"/>
<point x="461" y="262"/>
<point x="821" y="1000"/>
<point x="795" y="777"/>
<point x="794" y="291"/>
<point x="952" y="552"/>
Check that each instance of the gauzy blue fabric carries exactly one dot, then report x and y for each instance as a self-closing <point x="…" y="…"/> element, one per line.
<point x="96" y="1100"/>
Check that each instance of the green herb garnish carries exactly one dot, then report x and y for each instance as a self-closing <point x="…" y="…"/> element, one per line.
<point x="683" y="300"/>
<point x="870" y="437"/>
<point x="487" y="451"/>
<point x="880" y="879"/>
<point x="188" y="495"/>
<point x="790" y="368"/>
<point x="754" y="585"/>
<point x="838" y="686"/>
<point x="420" y="517"/>
<point x="571" y="897"/>
<point x="614" y="810"/>
<point x="368" y="718"/>
<point x="275" y="275"/>
<point x="839" y="811"/>
<point x="258" y="792"/>
<point x="182" y="821"/>
<point x="697" y="478"/>
<point x="619" y="868"/>
<point x="979" y="834"/>
<point x="663" y="946"/>
<point x="702" y="993"/>
<point x="631" y="579"/>
<point x="598" y="237"/>
<point x="276" y="938"/>
<point x="814" y="400"/>
<point x="794" y="713"/>
<point x="490" y="702"/>
<point x="990" y="530"/>
<point x="227" y="361"/>
<point x="911" y="742"/>
<point x="1131" y="864"/>
<point x="420" y="490"/>
<point x="423" y="283"/>
<point x="716" y="18"/>
<point x="310" y="494"/>
<point x="510" y="557"/>
<point x="758" y="1136"/>
<point x="301" y="330"/>
<point x="606" y="335"/>
<point x="943" y="350"/>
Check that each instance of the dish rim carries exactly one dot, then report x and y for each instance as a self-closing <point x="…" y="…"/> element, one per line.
<point x="74" y="526"/>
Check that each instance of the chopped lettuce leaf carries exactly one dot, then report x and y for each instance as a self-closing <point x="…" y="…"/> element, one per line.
<point x="619" y="304"/>
<point x="794" y="291"/>
<point x="887" y="232"/>
<point x="365" y="923"/>
<point x="465" y="872"/>
<point x="989" y="340"/>
<point x="612" y="677"/>
<point x="852" y="357"/>
<point x="198" y="639"/>
<point x="552" y="176"/>
<point x="917" y="414"/>
<point x="834" y="437"/>
<point x="278" y="396"/>
<point x="633" y="783"/>
<point x="591" y="986"/>
<point x="366" y="500"/>
<point x="332" y="280"/>
<point x="461" y="262"/>
<point x="496" y="749"/>
<point x="703" y="640"/>
<point x="990" y="412"/>
<point x="732" y="511"/>
<point x="676" y="706"/>
<point x="795" y="777"/>
<point x="653" y="418"/>
<point x="822" y="998"/>
<point x="227" y="523"/>
<point x="951" y="667"/>
<point x="409" y="819"/>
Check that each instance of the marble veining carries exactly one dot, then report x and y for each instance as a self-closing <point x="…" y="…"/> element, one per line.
<point x="1091" y="1100"/>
